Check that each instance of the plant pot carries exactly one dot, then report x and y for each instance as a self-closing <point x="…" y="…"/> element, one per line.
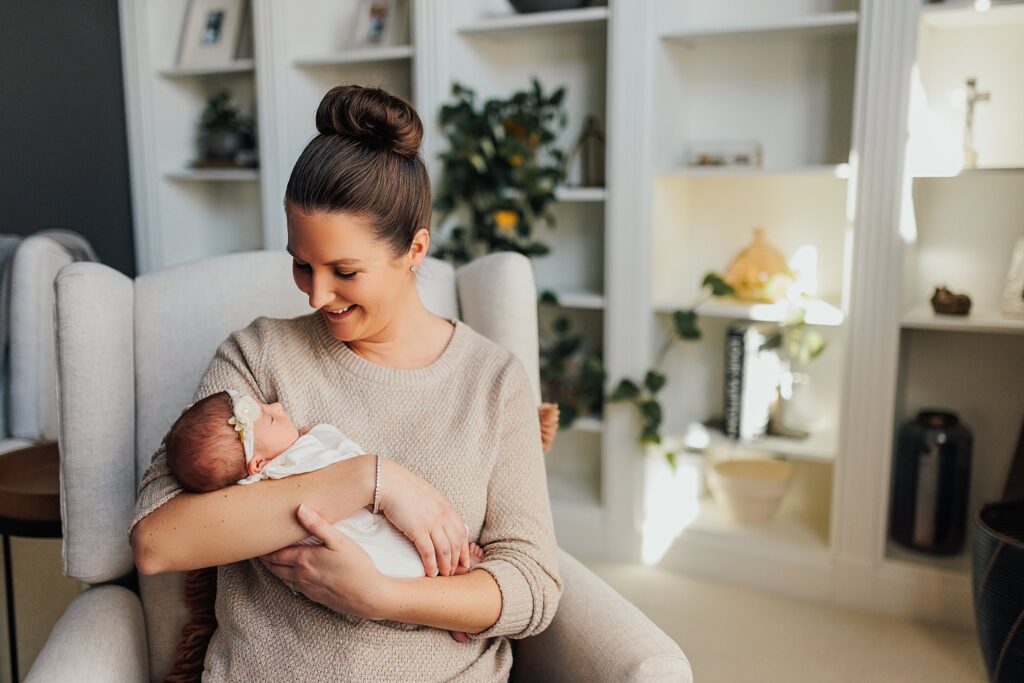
<point x="750" y="490"/>
<point x="997" y="568"/>
<point x="220" y="144"/>
<point x="526" y="6"/>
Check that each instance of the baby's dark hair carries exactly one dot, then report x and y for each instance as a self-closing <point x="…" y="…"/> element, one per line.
<point x="204" y="452"/>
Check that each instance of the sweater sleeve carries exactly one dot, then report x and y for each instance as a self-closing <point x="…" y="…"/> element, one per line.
<point x="234" y="366"/>
<point x="518" y="536"/>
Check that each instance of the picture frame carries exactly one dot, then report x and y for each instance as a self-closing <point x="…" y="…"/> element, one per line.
<point x="1013" y="293"/>
<point x="211" y="32"/>
<point x="380" y="23"/>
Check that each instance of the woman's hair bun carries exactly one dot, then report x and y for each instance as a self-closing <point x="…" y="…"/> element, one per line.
<point x="372" y="116"/>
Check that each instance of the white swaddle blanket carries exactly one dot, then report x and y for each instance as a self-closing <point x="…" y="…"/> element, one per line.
<point x="391" y="550"/>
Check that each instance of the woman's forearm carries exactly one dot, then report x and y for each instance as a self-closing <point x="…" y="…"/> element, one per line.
<point x="470" y="602"/>
<point x="195" y="530"/>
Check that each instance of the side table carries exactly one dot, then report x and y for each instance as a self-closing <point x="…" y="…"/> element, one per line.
<point x="29" y="507"/>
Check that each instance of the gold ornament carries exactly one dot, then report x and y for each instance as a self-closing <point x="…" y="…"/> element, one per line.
<point x="759" y="272"/>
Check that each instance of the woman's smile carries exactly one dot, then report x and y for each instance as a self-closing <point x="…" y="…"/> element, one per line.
<point x="339" y="314"/>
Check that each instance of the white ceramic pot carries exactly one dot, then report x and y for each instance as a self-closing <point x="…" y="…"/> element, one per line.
<point x="750" y="490"/>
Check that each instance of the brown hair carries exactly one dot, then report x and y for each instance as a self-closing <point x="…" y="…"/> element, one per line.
<point x="365" y="161"/>
<point x="203" y="450"/>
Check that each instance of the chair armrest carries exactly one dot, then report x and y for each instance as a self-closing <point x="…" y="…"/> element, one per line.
<point x="597" y="635"/>
<point x="100" y="638"/>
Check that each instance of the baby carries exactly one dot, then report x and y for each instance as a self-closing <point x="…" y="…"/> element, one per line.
<point x="228" y="438"/>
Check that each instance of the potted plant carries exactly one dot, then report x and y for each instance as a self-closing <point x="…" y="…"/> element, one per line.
<point x="226" y="135"/>
<point x="500" y="171"/>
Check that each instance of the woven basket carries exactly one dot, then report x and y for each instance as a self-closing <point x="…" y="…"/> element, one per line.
<point x="998" y="582"/>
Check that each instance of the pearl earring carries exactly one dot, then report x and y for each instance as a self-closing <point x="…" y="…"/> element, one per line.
<point x="413" y="267"/>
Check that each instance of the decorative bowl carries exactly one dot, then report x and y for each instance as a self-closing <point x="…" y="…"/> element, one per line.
<point x="750" y="489"/>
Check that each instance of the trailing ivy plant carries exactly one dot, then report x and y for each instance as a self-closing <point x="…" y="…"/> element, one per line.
<point x="572" y="376"/>
<point x="793" y="341"/>
<point x="500" y="171"/>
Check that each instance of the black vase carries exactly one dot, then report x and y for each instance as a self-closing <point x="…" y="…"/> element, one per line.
<point x="931" y="482"/>
<point x="997" y="578"/>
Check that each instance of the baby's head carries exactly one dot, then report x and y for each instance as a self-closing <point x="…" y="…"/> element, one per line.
<point x="205" y="450"/>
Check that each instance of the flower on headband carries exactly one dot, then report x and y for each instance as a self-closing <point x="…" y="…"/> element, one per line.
<point x="246" y="411"/>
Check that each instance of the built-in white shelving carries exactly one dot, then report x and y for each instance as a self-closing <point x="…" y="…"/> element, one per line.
<point x="215" y="174"/>
<point x="588" y="423"/>
<point x="496" y="26"/>
<point x="834" y="170"/>
<point x="236" y="67"/>
<point x="816" y="312"/>
<point x="785" y="532"/>
<point x="806" y="25"/>
<point x="579" y="299"/>
<point x="986" y="322"/>
<point x="817" y="446"/>
<point x="359" y="56"/>
<point x="581" y="194"/>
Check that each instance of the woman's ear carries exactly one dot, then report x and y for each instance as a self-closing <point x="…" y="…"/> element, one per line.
<point x="420" y="245"/>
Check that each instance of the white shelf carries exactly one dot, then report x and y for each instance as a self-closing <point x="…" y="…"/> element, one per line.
<point x="560" y="19"/>
<point x="581" y="194"/>
<point x="818" y="312"/>
<point x="957" y="565"/>
<point x="985" y="322"/>
<point x="359" y="56"/>
<point x="828" y="23"/>
<point x="238" y="66"/>
<point x="967" y="172"/>
<point x="579" y="299"/>
<point x="588" y="423"/>
<point x="215" y="174"/>
<point x="817" y="447"/>
<point x="786" y="531"/>
<point x="841" y="171"/>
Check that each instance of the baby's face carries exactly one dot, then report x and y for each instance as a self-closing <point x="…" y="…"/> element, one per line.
<point x="274" y="433"/>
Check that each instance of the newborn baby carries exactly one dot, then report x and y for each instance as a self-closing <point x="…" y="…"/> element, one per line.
<point x="228" y="438"/>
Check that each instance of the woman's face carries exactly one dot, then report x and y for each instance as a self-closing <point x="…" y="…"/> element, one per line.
<point x="351" y="277"/>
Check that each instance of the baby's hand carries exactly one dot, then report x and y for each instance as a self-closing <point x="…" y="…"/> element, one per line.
<point x="477" y="555"/>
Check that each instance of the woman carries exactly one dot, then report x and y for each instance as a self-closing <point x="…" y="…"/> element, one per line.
<point x="450" y="412"/>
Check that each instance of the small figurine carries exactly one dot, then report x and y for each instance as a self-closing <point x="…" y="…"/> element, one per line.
<point x="946" y="302"/>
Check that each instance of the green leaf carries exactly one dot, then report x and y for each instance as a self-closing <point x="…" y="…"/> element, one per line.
<point x="649" y="435"/>
<point x="562" y="325"/>
<point x="719" y="287"/>
<point x="686" y="324"/>
<point x="567" y="414"/>
<point x="654" y="381"/>
<point x="651" y="411"/>
<point x="627" y="390"/>
<point x="671" y="457"/>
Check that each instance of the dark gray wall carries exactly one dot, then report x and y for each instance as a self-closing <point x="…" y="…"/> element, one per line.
<point x="63" y="147"/>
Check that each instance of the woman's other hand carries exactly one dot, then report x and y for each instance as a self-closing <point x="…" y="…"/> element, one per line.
<point x="426" y="518"/>
<point x="338" y="574"/>
<point x="549" y="415"/>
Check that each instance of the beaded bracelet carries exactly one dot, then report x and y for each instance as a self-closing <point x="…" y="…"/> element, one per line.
<point x="376" y="488"/>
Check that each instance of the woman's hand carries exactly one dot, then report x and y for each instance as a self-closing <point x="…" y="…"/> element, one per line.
<point x="338" y="574"/>
<point x="426" y="517"/>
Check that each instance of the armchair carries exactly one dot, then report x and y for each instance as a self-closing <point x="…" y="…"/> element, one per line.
<point x="130" y="354"/>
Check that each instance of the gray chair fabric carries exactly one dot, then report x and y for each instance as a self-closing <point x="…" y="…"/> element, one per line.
<point x="130" y="354"/>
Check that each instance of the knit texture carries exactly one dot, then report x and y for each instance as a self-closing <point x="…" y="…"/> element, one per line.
<point x="467" y="424"/>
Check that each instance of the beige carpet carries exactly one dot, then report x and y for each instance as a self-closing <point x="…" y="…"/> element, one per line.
<point x="733" y="635"/>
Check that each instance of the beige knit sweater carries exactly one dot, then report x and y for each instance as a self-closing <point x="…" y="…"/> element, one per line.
<point x="467" y="424"/>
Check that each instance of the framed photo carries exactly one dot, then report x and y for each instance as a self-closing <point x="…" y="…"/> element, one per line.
<point x="211" y="31"/>
<point x="1013" y="294"/>
<point x="381" y="22"/>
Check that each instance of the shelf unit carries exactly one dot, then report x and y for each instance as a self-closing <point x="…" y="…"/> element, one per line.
<point x="825" y="86"/>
